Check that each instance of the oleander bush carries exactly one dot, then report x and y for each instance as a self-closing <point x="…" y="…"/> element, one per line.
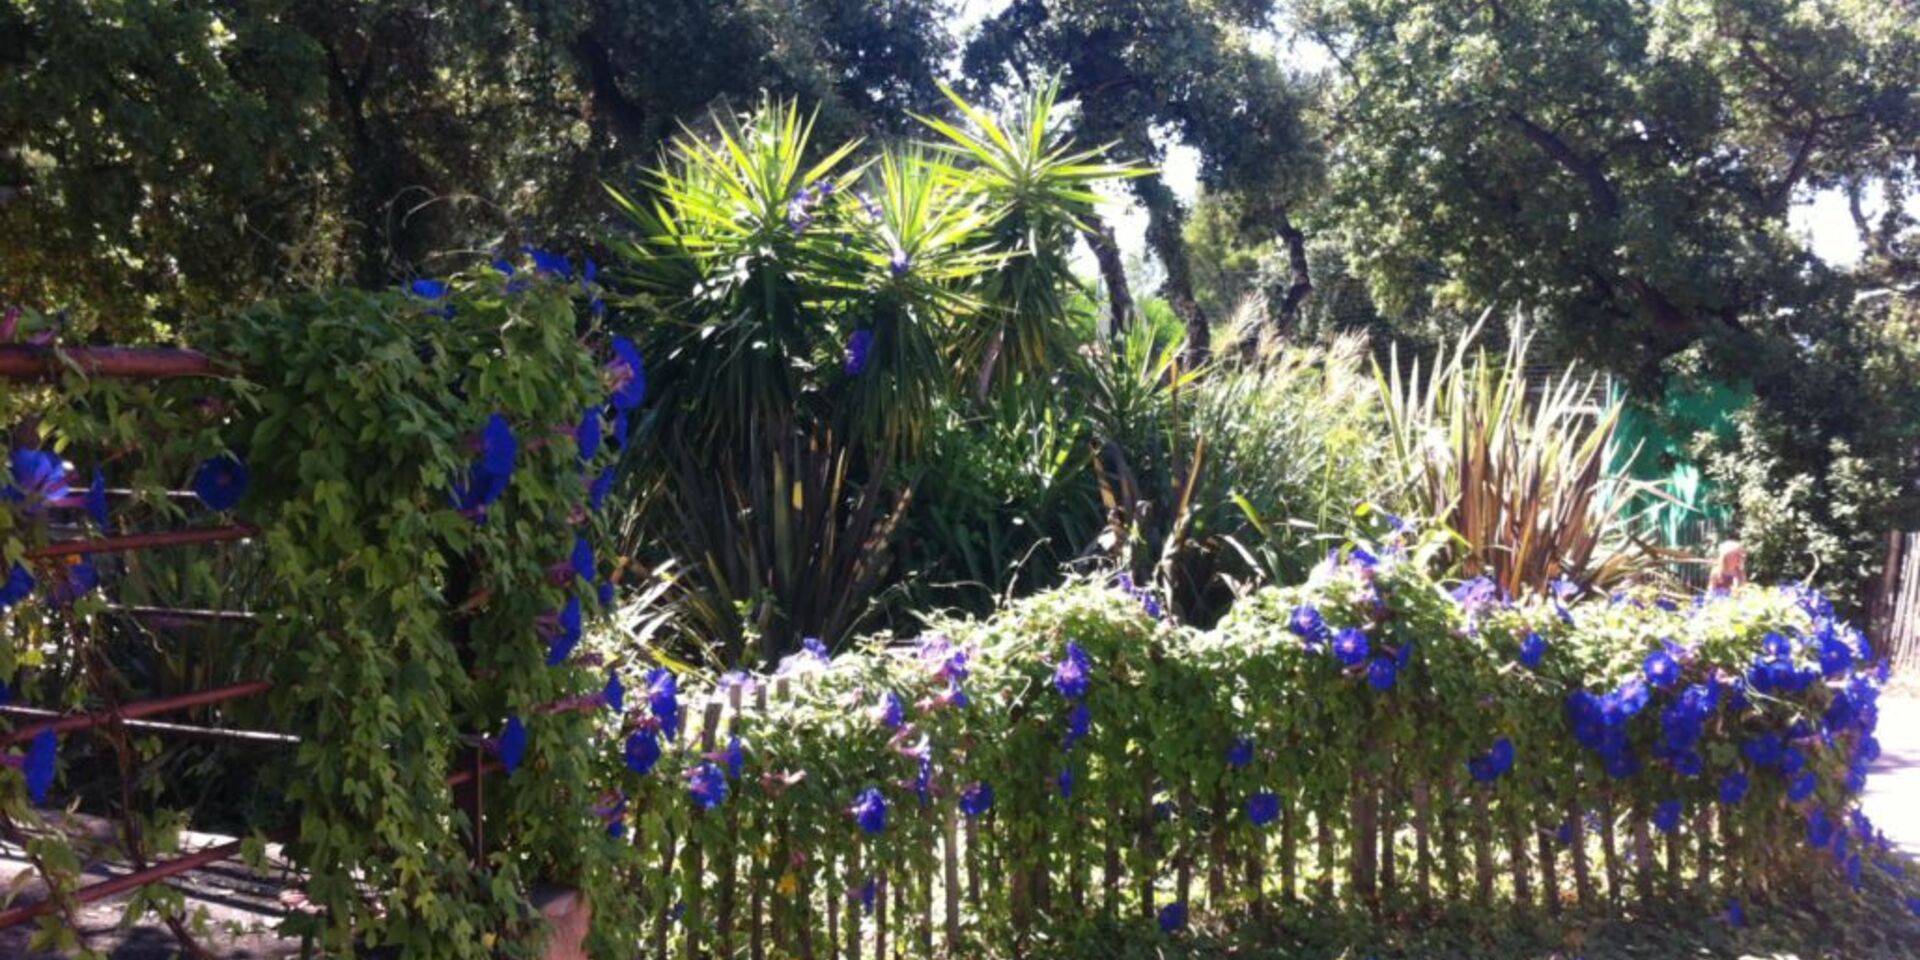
<point x="1368" y="734"/>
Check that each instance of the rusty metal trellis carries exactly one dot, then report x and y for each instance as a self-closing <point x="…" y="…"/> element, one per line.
<point x="36" y="363"/>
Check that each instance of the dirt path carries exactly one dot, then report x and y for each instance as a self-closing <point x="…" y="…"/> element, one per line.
<point x="1893" y="788"/>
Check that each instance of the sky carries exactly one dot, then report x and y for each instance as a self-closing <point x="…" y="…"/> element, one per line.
<point x="1819" y="218"/>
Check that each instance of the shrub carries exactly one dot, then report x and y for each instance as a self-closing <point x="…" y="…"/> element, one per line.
<point x="416" y="465"/>
<point x="1130" y="760"/>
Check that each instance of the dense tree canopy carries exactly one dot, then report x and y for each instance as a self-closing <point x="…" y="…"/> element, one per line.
<point x="158" y="160"/>
<point x="1626" y="168"/>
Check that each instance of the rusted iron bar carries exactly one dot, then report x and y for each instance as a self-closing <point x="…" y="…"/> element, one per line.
<point x="174" y="613"/>
<point x="143" y="541"/>
<point x="144" y="708"/>
<point x="122" y="884"/>
<point x="28" y="362"/>
<point x="462" y="776"/>
<point x="175" y="729"/>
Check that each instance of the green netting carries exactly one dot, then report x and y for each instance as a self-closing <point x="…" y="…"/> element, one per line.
<point x="1662" y="431"/>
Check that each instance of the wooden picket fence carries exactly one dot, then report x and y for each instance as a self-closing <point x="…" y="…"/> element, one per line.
<point x="1895" y="622"/>
<point x="1391" y="845"/>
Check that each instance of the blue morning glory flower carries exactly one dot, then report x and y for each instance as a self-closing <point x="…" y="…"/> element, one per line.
<point x="617" y="437"/>
<point x="1661" y="669"/>
<point x="870" y="811"/>
<point x="1070" y="676"/>
<point x="587" y="435"/>
<point x="548" y="263"/>
<point x="568" y="634"/>
<point x="1173" y="917"/>
<point x="1307" y="624"/>
<point x="663" y="699"/>
<point x="1736" y="916"/>
<point x="581" y="560"/>
<point x="615" y="694"/>
<point x="97" y="499"/>
<point x="1240" y="752"/>
<point x="512" y="744"/>
<point x="1382" y="672"/>
<point x="1802" y="786"/>
<point x="707" y="786"/>
<point x="1533" y="649"/>
<point x="39" y="766"/>
<point x="893" y="711"/>
<point x="643" y="751"/>
<point x="1263" y="808"/>
<point x="859" y="347"/>
<point x="499" y="449"/>
<point x="629" y="379"/>
<point x="1350" y="646"/>
<point x="433" y="290"/>
<point x="734" y="757"/>
<point x="1776" y="646"/>
<point x="1494" y="764"/>
<point x="1819" y="828"/>
<point x="18" y="587"/>
<point x="1079" y="721"/>
<point x="1733" y="788"/>
<point x="602" y="484"/>
<point x="1761" y="750"/>
<point x="1835" y="657"/>
<point x="976" y="799"/>
<point x="75" y="580"/>
<point x="38" y="477"/>
<point x="1666" y="817"/>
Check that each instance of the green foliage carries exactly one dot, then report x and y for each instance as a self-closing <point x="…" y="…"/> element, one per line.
<point x="160" y="161"/>
<point x="1631" y="176"/>
<point x="393" y="626"/>
<point x="1817" y="483"/>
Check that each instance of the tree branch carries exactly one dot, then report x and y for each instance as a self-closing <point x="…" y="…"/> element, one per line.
<point x="1588" y="169"/>
<point x="1300" y="281"/>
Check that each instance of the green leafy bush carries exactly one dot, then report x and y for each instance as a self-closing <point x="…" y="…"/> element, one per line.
<point x="1131" y="762"/>
<point x="418" y="467"/>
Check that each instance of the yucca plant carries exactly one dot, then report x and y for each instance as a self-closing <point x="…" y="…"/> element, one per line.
<point x="802" y="319"/>
<point x="1520" y="480"/>
<point x="1040" y="187"/>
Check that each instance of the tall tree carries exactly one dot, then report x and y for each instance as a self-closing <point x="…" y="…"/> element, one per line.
<point x="1627" y="171"/>
<point x="1627" y="166"/>
<point x="1141" y="68"/>
<point x="159" y="159"/>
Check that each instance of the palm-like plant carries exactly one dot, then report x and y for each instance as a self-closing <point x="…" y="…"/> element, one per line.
<point x="802" y="318"/>
<point x="1521" y="481"/>
<point x="1040" y="187"/>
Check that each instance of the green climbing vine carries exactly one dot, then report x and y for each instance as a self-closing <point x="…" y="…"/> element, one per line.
<point x="425" y="469"/>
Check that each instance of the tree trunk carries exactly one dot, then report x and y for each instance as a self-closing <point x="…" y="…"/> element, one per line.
<point x="1113" y="271"/>
<point x="1299" y="282"/>
<point x="1165" y="234"/>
